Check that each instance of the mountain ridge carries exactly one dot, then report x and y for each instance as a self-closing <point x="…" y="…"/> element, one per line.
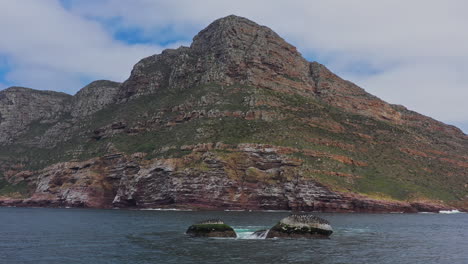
<point x="240" y="108"/>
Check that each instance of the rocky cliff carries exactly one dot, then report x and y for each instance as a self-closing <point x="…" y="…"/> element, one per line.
<point x="238" y="120"/>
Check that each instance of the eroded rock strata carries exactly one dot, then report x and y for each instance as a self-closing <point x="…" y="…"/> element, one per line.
<point x="238" y="120"/>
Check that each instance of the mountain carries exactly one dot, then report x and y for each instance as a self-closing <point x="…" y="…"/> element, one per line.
<point x="238" y="120"/>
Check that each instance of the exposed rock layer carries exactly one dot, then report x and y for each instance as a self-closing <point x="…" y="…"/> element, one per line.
<point x="197" y="181"/>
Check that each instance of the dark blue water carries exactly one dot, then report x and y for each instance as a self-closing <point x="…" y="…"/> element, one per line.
<point x="29" y="235"/>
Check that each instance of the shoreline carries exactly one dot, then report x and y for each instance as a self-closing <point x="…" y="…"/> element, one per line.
<point x="18" y="203"/>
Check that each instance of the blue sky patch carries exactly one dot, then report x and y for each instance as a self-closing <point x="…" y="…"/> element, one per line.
<point x="4" y="69"/>
<point x="162" y="36"/>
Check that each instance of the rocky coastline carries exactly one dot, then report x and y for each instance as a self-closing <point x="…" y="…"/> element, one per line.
<point x="202" y="180"/>
<point x="374" y="206"/>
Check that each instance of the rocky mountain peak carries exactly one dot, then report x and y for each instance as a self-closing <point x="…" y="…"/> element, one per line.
<point x="232" y="32"/>
<point x="230" y="50"/>
<point x="244" y="51"/>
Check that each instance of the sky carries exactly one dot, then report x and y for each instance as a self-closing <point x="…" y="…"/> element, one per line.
<point x="413" y="53"/>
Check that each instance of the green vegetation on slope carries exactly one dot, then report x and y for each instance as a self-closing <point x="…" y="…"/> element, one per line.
<point x="299" y="122"/>
<point x="19" y="190"/>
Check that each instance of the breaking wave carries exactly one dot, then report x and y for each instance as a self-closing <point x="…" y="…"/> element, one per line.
<point x="449" y="212"/>
<point x="251" y="233"/>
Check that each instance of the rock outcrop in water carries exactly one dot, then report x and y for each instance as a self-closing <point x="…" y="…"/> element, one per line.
<point x="238" y="120"/>
<point x="301" y="226"/>
<point x="211" y="228"/>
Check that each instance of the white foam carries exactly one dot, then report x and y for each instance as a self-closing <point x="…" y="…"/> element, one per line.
<point x="249" y="234"/>
<point x="245" y="235"/>
<point x="455" y="211"/>
<point x="264" y="235"/>
<point x="164" y="209"/>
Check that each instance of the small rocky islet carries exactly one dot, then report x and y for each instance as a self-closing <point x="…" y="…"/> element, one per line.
<point x="293" y="226"/>
<point x="301" y="226"/>
<point x="211" y="228"/>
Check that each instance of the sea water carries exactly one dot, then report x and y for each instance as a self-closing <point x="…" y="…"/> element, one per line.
<point x="39" y="235"/>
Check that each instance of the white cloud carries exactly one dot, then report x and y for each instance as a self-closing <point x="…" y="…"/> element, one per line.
<point x="413" y="53"/>
<point x="46" y="79"/>
<point x="434" y="89"/>
<point x="51" y="48"/>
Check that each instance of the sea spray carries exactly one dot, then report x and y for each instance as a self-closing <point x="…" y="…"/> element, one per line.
<point x="264" y="234"/>
<point x="250" y="233"/>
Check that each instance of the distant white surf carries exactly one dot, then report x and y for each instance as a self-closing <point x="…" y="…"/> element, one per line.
<point x="164" y="209"/>
<point x="276" y="211"/>
<point x="449" y="212"/>
<point x="263" y="211"/>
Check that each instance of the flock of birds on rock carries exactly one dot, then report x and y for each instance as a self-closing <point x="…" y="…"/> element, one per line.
<point x="307" y="219"/>
<point x="211" y="222"/>
<point x="299" y="218"/>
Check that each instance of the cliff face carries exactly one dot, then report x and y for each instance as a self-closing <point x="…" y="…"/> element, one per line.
<point x="19" y="107"/>
<point x="237" y="120"/>
<point x="93" y="98"/>
<point x="249" y="177"/>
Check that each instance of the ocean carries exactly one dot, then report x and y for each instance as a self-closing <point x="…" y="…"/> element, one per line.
<point x="91" y="236"/>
